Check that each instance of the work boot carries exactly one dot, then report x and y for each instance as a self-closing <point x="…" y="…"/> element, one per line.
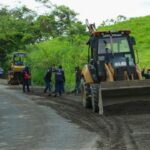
<point x="49" y="94"/>
<point x="55" y="95"/>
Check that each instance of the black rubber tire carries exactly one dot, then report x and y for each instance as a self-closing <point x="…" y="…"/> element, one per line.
<point x="95" y="97"/>
<point x="13" y="82"/>
<point x="86" y="100"/>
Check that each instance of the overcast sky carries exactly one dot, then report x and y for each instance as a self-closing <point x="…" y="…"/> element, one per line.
<point x="96" y="10"/>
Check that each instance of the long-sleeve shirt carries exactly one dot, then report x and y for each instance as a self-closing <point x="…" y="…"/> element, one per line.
<point x="145" y="75"/>
<point x="59" y="75"/>
<point x="48" y="76"/>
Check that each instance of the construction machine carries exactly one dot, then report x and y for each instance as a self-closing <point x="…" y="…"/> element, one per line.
<point x="111" y="75"/>
<point x="16" y="68"/>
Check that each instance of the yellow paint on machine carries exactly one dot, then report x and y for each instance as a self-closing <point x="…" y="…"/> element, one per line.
<point x="87" y="75"/>
<point x="17" y="68"/>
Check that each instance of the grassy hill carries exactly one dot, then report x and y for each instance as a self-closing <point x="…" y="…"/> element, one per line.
<point x="72" y="53"/>
<point x="140" y="29"/>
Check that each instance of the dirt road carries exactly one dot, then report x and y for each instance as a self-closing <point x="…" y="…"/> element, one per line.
<point x="123" y="126"/>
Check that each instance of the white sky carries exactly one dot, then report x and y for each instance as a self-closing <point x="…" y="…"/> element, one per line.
<point x="97" y="10"/>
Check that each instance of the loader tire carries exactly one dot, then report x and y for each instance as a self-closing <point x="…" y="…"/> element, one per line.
<point x="86" y="101"/>
<point x="9" y="82"/>
<point x="95" y="97"/>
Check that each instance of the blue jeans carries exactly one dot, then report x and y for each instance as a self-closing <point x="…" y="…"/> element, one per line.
<point x="47" y="86"/>
<point x="77" y="87"/>
<point x="59" y="87"/>
<point x="26" y="84"/>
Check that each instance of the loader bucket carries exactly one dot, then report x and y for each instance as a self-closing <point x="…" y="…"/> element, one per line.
<point x="123" y="91"/>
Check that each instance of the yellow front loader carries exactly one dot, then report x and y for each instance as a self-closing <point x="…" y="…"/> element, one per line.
<point x="16" y="68"/>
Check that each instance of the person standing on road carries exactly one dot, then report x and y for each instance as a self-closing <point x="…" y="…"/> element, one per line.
<point x="47" y="79"/>
<point x="146" y="75"/>
<point x="63" y="86"/>
<point x="26" y="78"/>
<point x="77" y="80"/>
<point x="59" y="80"/>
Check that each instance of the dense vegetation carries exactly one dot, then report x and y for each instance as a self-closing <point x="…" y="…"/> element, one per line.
<point x="57" y="51"/>
<point x="58" y="37"/>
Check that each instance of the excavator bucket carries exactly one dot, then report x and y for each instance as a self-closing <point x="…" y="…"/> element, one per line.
<point x="123" y="91"/>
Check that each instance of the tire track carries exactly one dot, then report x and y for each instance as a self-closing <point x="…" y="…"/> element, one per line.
<point x="114" y="135"/>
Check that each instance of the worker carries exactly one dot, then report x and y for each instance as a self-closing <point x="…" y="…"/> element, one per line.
<point x="1" y="72"/>
<point x="146" y="75"/>
<point x="63" y="85"/>
<point x="47" y="79"/>
<point x="26" y="79"/>
<point x="77" y="79"/>
<point x="59" y="80"/>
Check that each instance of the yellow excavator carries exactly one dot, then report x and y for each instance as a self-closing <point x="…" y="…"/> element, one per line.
<point x="111" y="74"/>
<point x="16" y="68"/>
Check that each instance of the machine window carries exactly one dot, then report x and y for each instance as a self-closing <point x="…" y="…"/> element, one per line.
<point x="113" y="45"/>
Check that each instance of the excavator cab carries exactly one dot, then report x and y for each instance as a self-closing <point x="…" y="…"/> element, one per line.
<point x="18" y="58"/>
<point x="17" y="66"/>
<point x="113" y="49"/>
<point x="111" y="72"/>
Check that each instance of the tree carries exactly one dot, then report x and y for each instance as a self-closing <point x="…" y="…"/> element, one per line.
<point x="121" y="18"/>
<point x="64" y="18"/>
<point x="16" y="30"/>
<point x="47" y="26"/>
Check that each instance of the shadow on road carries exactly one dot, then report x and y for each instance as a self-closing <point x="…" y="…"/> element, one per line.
<point x="129" y="108"/>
